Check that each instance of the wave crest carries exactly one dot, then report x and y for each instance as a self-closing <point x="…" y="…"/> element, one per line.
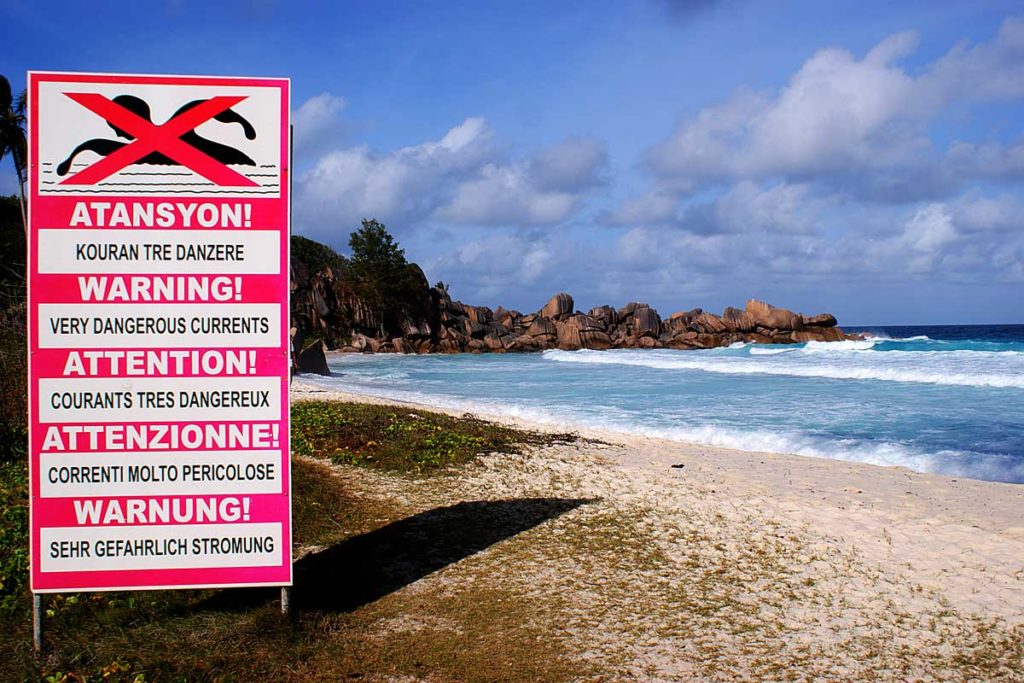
<point x="840" y="346"/>
<point x="782" y="441"/>
<point x="868" y="367"/>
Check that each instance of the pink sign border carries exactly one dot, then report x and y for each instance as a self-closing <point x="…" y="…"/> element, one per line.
<point x="181" y="578"/>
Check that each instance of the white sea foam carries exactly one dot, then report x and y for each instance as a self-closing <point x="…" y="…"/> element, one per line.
<point x="783" y="441"/>
<point x="764" y="351"/>
<point x="954" y="463"/>
<point x="878" y="367"/>
<point x="840" y="346"/>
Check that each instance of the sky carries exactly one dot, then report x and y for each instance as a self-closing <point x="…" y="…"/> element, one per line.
<point x="861" y="158"/>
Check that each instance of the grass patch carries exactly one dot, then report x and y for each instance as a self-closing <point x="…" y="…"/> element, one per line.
<point x="473" y="631"/>
<point x="324" y="511"/>
<point x="402" y="439"/>
<point x="13" y="521"/>
<point x="13" y="537"/>
<point x="476" y="633"/>
<point x="466" y="630"/>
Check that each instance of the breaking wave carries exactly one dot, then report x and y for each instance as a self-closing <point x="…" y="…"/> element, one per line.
<point x="948" y="402"/>
<point x="977" y="371"/>
<point x="950" y="462"/>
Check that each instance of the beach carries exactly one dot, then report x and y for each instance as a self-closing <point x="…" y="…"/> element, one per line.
<point x="696" y="562"/>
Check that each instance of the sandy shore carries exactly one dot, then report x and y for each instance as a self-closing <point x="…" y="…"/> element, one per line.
<point x="739" y="558"/>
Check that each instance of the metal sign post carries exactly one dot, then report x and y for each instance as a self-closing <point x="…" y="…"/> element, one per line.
<point x="37" y="622"/>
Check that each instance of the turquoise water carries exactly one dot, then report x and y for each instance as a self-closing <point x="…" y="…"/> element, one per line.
<point x="954" y="406"/>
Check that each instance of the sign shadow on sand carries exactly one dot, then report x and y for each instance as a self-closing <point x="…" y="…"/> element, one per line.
<point x="365" y="568"/>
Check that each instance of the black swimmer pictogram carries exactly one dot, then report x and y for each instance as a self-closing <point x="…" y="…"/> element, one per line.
<point x="225" y="154"/>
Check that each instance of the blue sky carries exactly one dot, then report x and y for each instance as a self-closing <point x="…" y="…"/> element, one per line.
<point x="862" y="158"/>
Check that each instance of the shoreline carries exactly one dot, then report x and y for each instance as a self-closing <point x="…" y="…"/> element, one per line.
<point x="961" y="537"/>
<point x="890" y="407"/>
<point x="562" y="425"/>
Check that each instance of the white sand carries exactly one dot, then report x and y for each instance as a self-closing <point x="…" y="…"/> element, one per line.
<point x="739" y="562"/>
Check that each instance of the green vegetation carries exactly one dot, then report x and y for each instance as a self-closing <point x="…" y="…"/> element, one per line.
<point x="12" y="133"/>
<point x="12" y="321"/>
<point x="13" y="521"/>
<point x="380" y="275"/>
<point x="403" y="440"/>
<point x="377" y="264"/>
<point x="375" y="292"/>
<point x="13" y="435"/>
<point x="12" y="246"/>
<point x="315" y="256"/>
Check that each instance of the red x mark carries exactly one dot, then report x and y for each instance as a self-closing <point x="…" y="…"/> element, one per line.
<point x="151" y="138"/>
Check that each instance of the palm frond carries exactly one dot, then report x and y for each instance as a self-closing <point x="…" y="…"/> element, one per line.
<point x="5" y="94"/>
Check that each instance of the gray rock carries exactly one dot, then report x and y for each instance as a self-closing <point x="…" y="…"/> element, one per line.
<point x="313" y="358"/>
<point x="559" y="305"/>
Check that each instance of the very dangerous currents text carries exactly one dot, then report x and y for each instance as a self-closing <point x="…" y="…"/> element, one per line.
<point x="160" y="325"/>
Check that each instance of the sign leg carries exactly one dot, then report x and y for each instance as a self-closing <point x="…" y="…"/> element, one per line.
<point x="286" y="600"/>
<point x="37" y="622"/>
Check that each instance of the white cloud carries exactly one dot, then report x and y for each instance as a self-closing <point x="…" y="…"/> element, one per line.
<point x="462" y="147"/>
<point x="405" y="185"/>
<point x="834" y="178"/>
<point x="746" y="207"/>
<point x="968" y="240"/>
<point x="505" y="195"/>
<point x="845" y="117"/>
<point x="505" y="268"/>
<point x="974" y="238"/>
<point x="657" y="206"/>
<point x="781" y="208"/>
<point x="991" y="160"/>
<point x="894" y="47"/>
<point x="518" y="256"/>
<point x="574" y="164"/>
<point x="989" y="214"/>
<point x="317" y="121"/>
<point x="929" y="229"/>
<point x="984" y="72"/>
<point x="706" y="145"/>
<point x="836" y="112"/>
<point x="462" y="178"/>
<point x="542" y="190"/>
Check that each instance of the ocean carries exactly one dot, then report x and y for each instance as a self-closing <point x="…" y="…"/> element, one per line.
<point x="941" y="399"/>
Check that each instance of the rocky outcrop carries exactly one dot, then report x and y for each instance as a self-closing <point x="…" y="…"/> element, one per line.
<point x="313" y="359"/>
<point x="738" y="321"/>
<point x="768" y="317"/>
<point x="476" y="329"/>
<point x="820" y="320"/>
<point x="325" y="306"/>
<point x="559" y="306"/>
<point x="427" y="320"/>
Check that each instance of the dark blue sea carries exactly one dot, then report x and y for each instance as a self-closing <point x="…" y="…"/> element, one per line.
<point x="947" y="399"/>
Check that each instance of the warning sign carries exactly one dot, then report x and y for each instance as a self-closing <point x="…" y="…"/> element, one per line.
<point x="158" y="332"/>
<point x="170" y="136"/>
